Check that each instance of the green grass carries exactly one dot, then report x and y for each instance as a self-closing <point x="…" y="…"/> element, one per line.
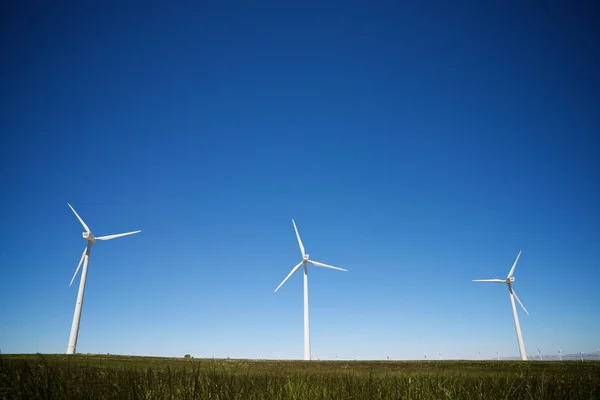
<point x="120" y="377"/>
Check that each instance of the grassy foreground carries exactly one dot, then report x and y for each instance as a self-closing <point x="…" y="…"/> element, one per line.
<point x="121" y="377"/>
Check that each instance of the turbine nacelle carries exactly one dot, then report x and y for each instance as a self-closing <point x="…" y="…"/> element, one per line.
<point x="89" y="236"/>
<point x="510" y="280"/>
<point x="305" y="257"/>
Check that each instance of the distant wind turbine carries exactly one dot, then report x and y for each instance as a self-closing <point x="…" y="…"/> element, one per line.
<point x="560" y="354"/>
<point x="498" y="355"/>
<point x="85" y="257"/>
<point x="513" y="295"/>
<point x="304" y="263"/>
<point x="540" y="354"/>
<point x="581" y="355"/>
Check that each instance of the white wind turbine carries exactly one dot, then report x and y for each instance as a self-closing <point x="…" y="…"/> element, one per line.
<point x="509" y="281"/>
<point x="304" y="263"/>
<point x="85" y="257"/>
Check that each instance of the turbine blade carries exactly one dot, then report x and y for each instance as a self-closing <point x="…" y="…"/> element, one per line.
<point x="116" y="236"/>
<point x="514" y="265"/>
<point x="298" y="236"/>
<point x="78" y="266"/>
<point x="288" y="277"/>
<point x="490" y="280"/>
<point x="79" y="218"/>
<point x="318" y="264"/>
<point x="517" y="297"/>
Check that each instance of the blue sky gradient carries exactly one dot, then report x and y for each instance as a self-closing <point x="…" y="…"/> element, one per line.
<point x="420" y="146"/>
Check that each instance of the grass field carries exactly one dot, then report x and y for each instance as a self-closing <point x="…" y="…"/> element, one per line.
<point x="121" y="377"/>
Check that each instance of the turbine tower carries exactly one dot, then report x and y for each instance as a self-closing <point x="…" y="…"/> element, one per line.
<point x="513" y="295"/>
<point x="85" y="258"/>
<point x="305" y="261"/>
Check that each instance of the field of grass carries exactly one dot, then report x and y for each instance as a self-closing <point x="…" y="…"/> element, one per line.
<point x="121" y="377"/>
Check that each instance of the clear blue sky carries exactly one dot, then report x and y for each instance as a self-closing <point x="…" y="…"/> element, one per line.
<point x="420" y="146"/>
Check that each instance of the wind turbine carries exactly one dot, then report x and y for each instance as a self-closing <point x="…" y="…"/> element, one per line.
<point x="509" y="281"/>
<point x="540" y="354"/>
<point x="85" y="258"/>
<point x="304" y="263"/>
